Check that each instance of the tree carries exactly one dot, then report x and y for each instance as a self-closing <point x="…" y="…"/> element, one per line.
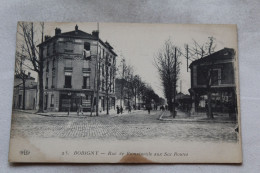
<point x="35" y="57"/>
<point x="110" y="72"/>
<point x="20" y="73"/>
<point x="167" y="64"/>
<point x="199" y="51"/>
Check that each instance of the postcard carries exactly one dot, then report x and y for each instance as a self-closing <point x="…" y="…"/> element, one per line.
<point x="125" y="93"/>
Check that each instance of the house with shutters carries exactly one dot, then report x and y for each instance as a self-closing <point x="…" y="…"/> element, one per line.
<point x="75" y="64"/>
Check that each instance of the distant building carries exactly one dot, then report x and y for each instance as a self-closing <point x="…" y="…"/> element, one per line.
<point x="30" y="92"/>
<point x="183" y="101"/>
<point x="223" y="87"/>
<point x="71" y="70"/>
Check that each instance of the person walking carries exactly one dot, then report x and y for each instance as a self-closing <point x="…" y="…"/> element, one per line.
<point x="80" y="110"/>
<point x="117" y="109"/>
<point x="129" y="109"/>
<point x="121" y="109"/>
<point x="149" y="109"/>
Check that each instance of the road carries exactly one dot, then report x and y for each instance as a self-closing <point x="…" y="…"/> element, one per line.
<point x="134" y="126"/>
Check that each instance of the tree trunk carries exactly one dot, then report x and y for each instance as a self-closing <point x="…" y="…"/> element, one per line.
<point x="23" y="93"/>
<point x="40" y="74"/>
<point x="209" y="113"/>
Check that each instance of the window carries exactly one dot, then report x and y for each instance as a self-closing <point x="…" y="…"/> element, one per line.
<point x="67" y="81"/>
<point x="47" y="66"/>
<point x="48" y="50"/>
<point x="216" y="77"/>
<point x="53" y="63"/>
<point x="52" y="78"/>
<point x="87" y="46"/>
<point x="47" y="81"/>
<point x="52" y="100"/>
<point x="86" y="83"/>
<point x="54" y="48"/>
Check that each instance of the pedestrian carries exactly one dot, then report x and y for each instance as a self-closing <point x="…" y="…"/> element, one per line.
<point x="117" y="109"/>
<point x="129" y="109"/>
<point x="162" y="108"/>
<point x="149" y="109"/>
<point x="80" y="110"/>
<point x="121" y="109"/>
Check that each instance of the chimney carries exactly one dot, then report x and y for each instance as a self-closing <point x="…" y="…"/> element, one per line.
<point x="46" y="37"/>
<point x="95" y="33"/>
<point x="29" y="74"/>
<point x="76" y="28"/>
<point x="57" y="31"/>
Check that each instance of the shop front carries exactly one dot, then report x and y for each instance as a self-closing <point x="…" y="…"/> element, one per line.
<point x="71" y="101"/>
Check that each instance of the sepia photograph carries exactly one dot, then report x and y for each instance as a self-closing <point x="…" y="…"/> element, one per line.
<point x="125" y="93"/>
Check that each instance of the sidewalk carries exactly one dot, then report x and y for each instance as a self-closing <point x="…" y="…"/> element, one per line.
<point x="112" y="113"/>
<point x="201" y="117"/>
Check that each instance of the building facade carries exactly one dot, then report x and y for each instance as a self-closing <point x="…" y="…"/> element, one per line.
<point x="26" y="91"/>
<point x="215" y="74"/>
<point x="76" y="65"/>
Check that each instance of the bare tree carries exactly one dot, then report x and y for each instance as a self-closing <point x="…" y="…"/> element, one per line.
<point x="31" y="53"/>
<point x="20" y="73"/>
<point x="110" y="72"/>
<point x="122" y="73"/>
<point x="167" y="64"/>
<point x="196" y="52"/>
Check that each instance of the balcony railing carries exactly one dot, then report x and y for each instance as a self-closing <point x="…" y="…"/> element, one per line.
<point x="86" y="70"/>
<point x="67" y="86"/>
<point x="86" y="87"/>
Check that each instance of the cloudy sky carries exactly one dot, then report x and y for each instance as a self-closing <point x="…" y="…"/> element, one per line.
<point x="139" y="43"/>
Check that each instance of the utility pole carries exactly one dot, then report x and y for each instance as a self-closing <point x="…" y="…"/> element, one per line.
<point x="175" y="82"/>
<point x="122" y="82"/>
<point x="187" y="51"/>
<point x="98" y="72"/>
<point x="96" y="79"/>
<point x="107" y="88"/>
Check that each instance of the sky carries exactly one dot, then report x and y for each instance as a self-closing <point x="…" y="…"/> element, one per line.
<point x="139" y="43"/>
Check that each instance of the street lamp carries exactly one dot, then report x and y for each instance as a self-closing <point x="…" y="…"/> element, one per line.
<point x="69" y="94"/>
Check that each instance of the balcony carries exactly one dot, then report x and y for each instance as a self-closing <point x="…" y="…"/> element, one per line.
<point x="67" y="86"/>
<point x="84" y="70"/>
<point x="86" y="87"/>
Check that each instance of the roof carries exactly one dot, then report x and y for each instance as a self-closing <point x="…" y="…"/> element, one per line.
<point x="226" y="53"/>
<point x="79" y="34"/>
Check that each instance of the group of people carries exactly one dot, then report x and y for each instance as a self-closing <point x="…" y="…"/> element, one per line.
<point x="119" y="109"/>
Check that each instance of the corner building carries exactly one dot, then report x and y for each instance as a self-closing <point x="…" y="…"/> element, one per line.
<point x="73" y="63"/>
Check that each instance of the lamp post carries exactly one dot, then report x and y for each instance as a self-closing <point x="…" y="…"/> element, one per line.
<point x="69" y="94"/>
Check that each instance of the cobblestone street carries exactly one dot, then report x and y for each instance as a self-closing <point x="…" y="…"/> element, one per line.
<point x="134" y="126"/>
